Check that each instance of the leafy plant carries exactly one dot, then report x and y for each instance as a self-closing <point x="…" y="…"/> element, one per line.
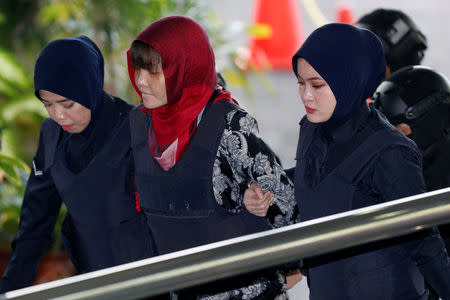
<point x="20" y="118"/>
<point x="11" y="166"/>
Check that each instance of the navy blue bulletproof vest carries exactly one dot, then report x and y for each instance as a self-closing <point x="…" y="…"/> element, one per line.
<point x="102" y="227"/>
<point x="359" y="273"/>
<point x="181" y="209"/>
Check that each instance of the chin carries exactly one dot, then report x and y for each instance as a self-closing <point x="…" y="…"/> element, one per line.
<point x="148" y="104"/>
<point x="74" y="131"/>
<point x="313" y="119"/>
<point x="151" y="103"/>
<point x="317" y="119"/>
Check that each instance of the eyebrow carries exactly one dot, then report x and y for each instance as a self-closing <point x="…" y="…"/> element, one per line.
<point x="311" y="78"/>
<point x="58" y="101"/>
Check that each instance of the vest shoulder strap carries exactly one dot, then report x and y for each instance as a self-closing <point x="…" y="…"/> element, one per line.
<point x="213" y="121"/>
<point x="138" y="126"/>
<point x="352" y="168"/>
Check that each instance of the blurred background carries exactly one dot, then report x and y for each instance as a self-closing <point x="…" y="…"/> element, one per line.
<point x="266" y="88"/>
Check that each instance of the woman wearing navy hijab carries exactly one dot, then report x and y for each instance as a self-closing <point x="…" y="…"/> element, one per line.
<point x="84" y="161"/>
<point x="349" y="157"/>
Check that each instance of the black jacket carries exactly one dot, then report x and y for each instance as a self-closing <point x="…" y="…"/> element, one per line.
<point x="102" y="227"/>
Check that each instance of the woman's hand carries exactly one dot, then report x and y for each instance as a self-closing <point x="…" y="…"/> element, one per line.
<point x="293" y="278"/>
<point x="256" y="201"/>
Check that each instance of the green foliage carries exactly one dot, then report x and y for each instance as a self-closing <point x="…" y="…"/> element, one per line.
<point x="10" y="202"/>
<point x="20" y="112"/>
<point x="13" y="77"/>
<point x="10" y="166"/>
<point x="20" y="116"/>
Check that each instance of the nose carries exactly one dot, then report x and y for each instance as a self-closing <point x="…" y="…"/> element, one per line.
<point x="306" y="95"/>
<point x="60" y="114"/>
<point x="140" y="79"/>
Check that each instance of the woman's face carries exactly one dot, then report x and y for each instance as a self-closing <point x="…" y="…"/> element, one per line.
<point x="315" y="93"/>
<point x="152" y="86"/>
<point x="72" y="116"/>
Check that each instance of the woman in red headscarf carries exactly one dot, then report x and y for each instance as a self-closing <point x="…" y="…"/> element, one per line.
<point x="196" y="152"/>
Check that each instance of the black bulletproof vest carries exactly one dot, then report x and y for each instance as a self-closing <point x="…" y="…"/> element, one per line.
<point x="102" y="227"/>
<point x="181" y="209"/>
<point x="367" y="272"/>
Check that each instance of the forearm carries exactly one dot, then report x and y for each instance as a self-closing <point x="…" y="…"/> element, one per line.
<point x="23" y="264"/>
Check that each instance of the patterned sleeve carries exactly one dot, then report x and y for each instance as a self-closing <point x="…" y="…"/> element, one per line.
<point x="244" y="158"/>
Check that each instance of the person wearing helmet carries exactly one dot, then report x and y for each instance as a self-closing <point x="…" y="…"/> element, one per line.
<point x="416" y="100"/>
<point x="403" y="42"/>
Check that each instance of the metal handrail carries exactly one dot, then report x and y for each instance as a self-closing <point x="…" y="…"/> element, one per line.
<point x="250" y="253"/>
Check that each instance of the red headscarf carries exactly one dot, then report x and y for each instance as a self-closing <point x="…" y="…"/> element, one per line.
<point x="189" y="70"/>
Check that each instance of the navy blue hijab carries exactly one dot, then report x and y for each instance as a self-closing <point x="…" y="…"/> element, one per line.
<point x="74" y="68"/>
<point x="350" y="60"/>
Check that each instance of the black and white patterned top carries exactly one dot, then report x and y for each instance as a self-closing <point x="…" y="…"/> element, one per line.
<point x="244" y="158"/>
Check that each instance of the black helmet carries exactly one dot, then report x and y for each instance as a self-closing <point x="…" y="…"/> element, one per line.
<point x="419" y="97"/>
<point x="402" y="41"/>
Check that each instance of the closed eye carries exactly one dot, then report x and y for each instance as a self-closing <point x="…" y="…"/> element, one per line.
<point x="46" y="104"/>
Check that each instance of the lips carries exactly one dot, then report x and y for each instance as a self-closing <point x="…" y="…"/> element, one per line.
<point x="66" y="127"/>
<point x="309" y="110"/>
